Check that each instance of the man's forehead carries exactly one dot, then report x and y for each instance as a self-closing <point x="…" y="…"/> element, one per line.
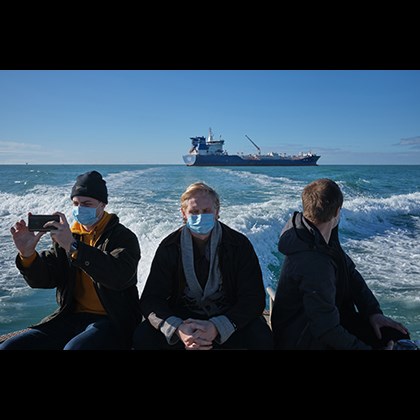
<point x="81" y="198"/>
<point x="199" y="199"/>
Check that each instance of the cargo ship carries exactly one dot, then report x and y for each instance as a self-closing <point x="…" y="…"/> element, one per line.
<point x="210" y="152"/>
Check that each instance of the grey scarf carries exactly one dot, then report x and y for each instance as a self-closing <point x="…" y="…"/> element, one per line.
<point x="209" y="301"/>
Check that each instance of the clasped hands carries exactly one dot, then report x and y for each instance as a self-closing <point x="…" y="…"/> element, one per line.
<point x="197" y="334"/>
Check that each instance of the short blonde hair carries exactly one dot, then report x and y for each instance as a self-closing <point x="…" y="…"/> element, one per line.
<point x="321" y="199"/>
<point x="199" y="187"/>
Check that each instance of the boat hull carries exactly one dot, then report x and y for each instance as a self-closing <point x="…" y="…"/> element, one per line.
<point x="232" y="160"/>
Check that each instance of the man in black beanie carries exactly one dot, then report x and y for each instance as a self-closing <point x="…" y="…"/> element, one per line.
<point x="93" y="266"/>
<point x="90" y="184"/>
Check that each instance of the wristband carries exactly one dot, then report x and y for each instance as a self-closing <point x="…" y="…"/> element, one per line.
<point x="74" y="246"/>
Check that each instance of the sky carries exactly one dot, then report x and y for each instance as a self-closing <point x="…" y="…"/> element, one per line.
<point x="148" y="116"/>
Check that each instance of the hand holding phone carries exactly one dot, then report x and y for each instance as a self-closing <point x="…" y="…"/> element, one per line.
<point x="36" y="222"/>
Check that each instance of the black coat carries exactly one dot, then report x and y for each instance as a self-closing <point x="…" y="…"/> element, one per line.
<point x="319" y="288"/>
<point x="241" y="280"/>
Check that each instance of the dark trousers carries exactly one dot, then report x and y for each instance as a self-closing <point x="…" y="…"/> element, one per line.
<point x="361" y="328"/>
<point x="77" y="331"/>
<point x="256" y="335"/>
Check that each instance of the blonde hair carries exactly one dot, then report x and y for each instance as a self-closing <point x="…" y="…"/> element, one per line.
<point x="321" y="199"/>
<point x="199" y="187"/>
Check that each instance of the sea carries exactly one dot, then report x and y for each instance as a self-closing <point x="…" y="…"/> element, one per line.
<point x="379" y="226"/>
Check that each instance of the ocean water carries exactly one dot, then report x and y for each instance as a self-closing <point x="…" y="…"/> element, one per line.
<point x="379" y="226"/>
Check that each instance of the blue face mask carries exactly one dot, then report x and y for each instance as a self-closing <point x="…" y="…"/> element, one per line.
<point x="201" y="223"/>
<point x="85" y="215"/>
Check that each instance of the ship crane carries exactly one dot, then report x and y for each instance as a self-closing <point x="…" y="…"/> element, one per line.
<point x="259" y="150"/>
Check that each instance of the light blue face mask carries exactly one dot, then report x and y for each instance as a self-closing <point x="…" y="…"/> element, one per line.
<point x="85" y="215"/>
<point x="200" y="223"/>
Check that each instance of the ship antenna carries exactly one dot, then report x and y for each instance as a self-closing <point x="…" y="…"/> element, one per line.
<point x="259" y="150"/>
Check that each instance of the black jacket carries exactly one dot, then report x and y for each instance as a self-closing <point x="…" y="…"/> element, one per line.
<point x="241" y="279"/>
<point x="112" y="265"/>
<point x="319" y="288"/>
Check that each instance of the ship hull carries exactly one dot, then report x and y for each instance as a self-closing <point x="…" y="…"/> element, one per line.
<point x="232" y="160"/>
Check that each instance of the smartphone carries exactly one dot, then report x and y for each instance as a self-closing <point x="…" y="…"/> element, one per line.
<point x="36" y="222"/>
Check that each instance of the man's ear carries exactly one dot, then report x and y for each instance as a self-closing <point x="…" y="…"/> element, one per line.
<point x="184" y="217"/>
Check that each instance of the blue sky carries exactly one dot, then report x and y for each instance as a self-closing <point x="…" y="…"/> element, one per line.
<point x="148" y="116"/>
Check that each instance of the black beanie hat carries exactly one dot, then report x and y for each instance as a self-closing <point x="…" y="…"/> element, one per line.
<point x="91" y="184"/>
